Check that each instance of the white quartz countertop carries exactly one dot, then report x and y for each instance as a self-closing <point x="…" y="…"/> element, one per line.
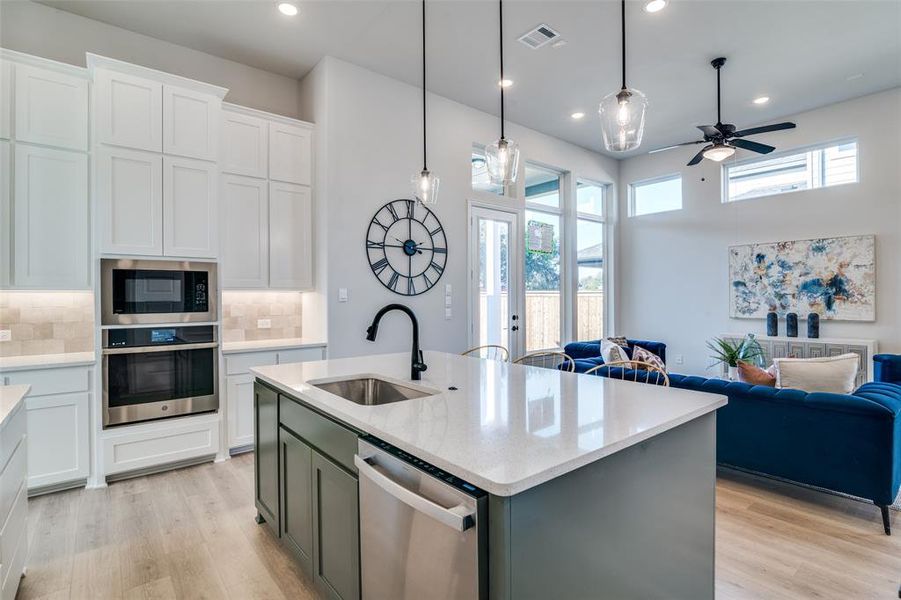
<point x="276" y="344"/>
<point x="11" y="397"/>
<point x="43" y="361"/>
<point x="506" y="428"/>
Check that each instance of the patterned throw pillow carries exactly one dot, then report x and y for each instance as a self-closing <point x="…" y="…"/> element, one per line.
<point x="640" y="355"/>
<point x="619" y="341"/>
<point x="754" y="375"/>
<point x="611" y="352"/>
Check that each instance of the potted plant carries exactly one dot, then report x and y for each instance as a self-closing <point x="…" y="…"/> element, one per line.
<point x="731" y="352"/>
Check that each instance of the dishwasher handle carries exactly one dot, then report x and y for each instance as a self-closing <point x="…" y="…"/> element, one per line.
<point x="458" y="517"/>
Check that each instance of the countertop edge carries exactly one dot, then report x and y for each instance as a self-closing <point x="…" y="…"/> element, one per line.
<point x="279" y="344"/>
<point x="47" y="361"/>
<point x="503" y="489"/>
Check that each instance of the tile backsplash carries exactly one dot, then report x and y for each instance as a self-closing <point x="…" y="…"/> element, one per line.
<point x="242" y="311"/>
<point x="47" y="322"/>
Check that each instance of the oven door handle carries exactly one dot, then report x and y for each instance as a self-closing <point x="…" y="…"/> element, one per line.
<point x="169" y="348"/>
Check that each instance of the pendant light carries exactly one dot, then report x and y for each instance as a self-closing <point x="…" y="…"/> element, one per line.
<point x="622" y="112"/>
<point x="424" y="183"/>
<point x="503" y="155"/>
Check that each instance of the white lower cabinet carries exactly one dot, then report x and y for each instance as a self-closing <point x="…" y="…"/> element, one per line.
<point x="239" y="388"/>
<point x="57" y="412"/>
<point x="159" y="443"/>
<point x="13" y="502"/>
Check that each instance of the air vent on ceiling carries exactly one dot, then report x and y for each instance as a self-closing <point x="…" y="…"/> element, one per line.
<point x="539" y="36"/>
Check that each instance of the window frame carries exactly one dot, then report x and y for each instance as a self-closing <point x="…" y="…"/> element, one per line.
<point x="724" y="168"/>
<point x="606" y="224"/>
<point x="652" y="180"/>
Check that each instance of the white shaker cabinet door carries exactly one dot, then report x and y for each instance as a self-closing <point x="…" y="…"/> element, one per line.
<point x="240" y="410"/>
<point x="51" y="108"/>
<point x="190" y="123"/>
<point x="129" y="111"/>
<point x="290" y="236"/>
<point x="130" y="201"/>
<point x="6" y="166"/>
<point x="190" y="211"/>
<point x="6" y="99"/>
<point x="50" y="208"/>
<point x="244" y="145"/>
<point x="58" y="444"/>
<point x="290" y="153"/>
<point x="244" y="233"/>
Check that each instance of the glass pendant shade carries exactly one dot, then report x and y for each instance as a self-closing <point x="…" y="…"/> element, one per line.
<point x="503" y="161"/>
<point x="425" y="187"/>
<point x="719" y="153"/>
<point x="622" y="119"/>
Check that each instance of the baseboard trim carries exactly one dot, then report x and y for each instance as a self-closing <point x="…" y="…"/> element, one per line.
<point x="57" y="487"/>
<point x="179" y="464"/>
<point x="240" y="449"/>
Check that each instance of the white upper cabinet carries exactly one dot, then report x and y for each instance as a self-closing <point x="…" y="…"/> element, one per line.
<point x="245" y="145"/>
<point x="129" y="111"/>
<point x="130" y="201"/>
<point x="50" y="208"/>
<point x="6" y="166"/>
<point x="290" y="153"/>
<point x="290" y="236"/>
<point x="51" y="108"/>
<point x="244" y="232"/>
<point x="190" y="123"/>
<point x="190" y="208"/>
<point x="6" y="99"/>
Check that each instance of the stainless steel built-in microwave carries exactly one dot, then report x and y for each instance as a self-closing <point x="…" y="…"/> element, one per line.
<point x="157" y="291"/>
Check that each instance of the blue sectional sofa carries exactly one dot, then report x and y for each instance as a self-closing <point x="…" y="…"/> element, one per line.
<point x="849" y="443"/>
<point x="587" y="355"/>
<point x="888" y="368"/>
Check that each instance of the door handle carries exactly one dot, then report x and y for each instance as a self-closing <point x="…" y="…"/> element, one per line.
<point x="458" y="517"/>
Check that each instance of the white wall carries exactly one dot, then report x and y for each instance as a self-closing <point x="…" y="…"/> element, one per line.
<point x="50" y="33"/>
<point x="673" y="272"/>
<point x="370" y="140"/>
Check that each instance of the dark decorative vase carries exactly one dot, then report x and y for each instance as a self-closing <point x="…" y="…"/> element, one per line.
<point x="813" y="325"/>
<point x="791" y="324"/>
<point x="772" y="324"/>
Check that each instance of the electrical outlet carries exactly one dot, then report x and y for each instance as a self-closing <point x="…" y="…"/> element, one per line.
<point x="680" y="359"/>
<point x="5" y="335"/>
<point x="264" y="323"/>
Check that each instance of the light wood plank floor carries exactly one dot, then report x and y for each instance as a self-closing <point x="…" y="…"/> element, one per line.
<point x="191" y="534"/>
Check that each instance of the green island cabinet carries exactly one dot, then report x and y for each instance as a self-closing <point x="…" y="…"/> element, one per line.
<point x="306" y="489"/>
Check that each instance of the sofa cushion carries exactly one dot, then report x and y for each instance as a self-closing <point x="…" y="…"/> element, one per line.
<point x="640" y="355"/>
<point x="754" y="375"/>
<point x="888" y="368"/>
<point x="612" y="352"/>
<point x="834" y="374"/>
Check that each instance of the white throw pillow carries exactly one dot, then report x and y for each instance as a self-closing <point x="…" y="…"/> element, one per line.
<point x="828" y="374"/>
<point x="611" y="352"/>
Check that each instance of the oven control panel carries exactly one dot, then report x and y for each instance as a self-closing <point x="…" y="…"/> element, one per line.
<point x="139" y="337"/>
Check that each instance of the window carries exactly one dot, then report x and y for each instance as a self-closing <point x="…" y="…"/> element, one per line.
<point x="480" y="180"/>
<point x="544" y="301"/>
<point x="589" y="260"/>
<point x="655" y="195"/>
<point x="815" y="167"/>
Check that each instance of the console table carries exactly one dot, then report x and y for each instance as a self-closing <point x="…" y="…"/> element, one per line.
<point x="798" y="347"/>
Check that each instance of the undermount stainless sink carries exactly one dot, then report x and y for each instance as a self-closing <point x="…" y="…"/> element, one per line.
<point x="371" y="391"/>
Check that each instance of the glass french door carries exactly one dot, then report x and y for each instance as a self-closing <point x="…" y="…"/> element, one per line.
<point x="496" y="279"/>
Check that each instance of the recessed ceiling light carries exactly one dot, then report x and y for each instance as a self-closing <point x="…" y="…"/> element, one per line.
<point x="577" y="115"/>
<point x="853" y="77"/>
<point x="654" y="6"/>
<point x="505" y="83"/>
<point x="761" y="99"/>
<point x="286" y="8"/>
<point x="558" y="44"/>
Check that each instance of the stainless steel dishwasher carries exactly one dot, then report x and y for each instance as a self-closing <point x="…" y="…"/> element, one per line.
<point x="423" y="532"/>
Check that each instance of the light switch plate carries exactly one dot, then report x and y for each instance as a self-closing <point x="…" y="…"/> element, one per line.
<point x="6" y="335"/>
<point x="342" y="294"/>
<point x="264" y="323"/>
<point x="448" y="289"/>
<point x="680" y="359"/>
<point x="448" y="313"/>
<point x="447" y="301"/>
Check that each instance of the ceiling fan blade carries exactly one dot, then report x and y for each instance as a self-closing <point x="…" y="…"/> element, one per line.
<point x="674" y="146"/>
<point x="698" y="157"/>
<point x="764" y="129"/>
<point x="752" y="146"/>
<point x="710" y="130"/>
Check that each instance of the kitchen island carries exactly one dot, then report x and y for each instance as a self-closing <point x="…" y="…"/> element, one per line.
<point x="592" y="488"/>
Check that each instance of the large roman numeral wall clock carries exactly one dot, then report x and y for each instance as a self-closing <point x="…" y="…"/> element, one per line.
<point x="406" y="247"/>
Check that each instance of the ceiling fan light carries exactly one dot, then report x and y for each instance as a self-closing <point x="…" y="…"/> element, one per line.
<point x="622" y="119"/>
<point x="424" y="186"/>
<point x="719" y="153"/>
<point x="503" y="161"/>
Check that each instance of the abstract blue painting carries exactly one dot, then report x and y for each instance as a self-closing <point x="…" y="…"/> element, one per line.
<point x="833" y="277"/>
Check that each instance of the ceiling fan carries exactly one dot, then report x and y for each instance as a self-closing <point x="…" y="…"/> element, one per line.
<point x="722" y="139"/>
